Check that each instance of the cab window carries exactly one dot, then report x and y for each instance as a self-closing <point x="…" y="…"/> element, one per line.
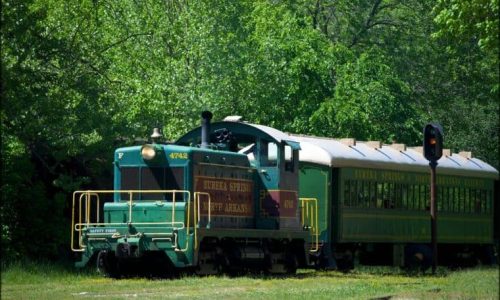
<point x="289" y="159"/>
<point x="268" y="154"/>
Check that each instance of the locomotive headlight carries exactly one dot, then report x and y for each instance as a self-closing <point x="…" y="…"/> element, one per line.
<point x="148" y="152"/>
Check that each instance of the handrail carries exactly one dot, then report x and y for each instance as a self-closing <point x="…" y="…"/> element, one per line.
<point x="309" y="213"/>
<point x="86" y="197"/>
<point x="187" y="226"/>
<point x="197" y="214"/>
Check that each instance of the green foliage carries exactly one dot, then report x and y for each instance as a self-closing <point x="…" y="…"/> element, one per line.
<point x="369" y="103"/>
<point x="469" y="81"/>
<point x="476" y="21"/>
<point x="290" y="70"/>
<point x="82" y="78"/>
<point x="15" y="167"/>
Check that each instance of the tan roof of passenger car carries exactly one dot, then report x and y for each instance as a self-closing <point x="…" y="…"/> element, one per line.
<point x="351" y="153"/>
<point x="334" y="153"/>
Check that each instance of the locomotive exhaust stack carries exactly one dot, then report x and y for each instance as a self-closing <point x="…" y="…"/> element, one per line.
<point x="206" y="116"/>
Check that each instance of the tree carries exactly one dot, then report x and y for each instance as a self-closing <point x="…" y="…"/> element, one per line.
<point x="476" y="21"/>
<point x="468" y="31"/>
<point x="54" y="120"/>
<point x="370" y="103"/>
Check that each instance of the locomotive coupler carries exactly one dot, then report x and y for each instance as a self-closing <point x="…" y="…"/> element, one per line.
<point x="128" y="248"/>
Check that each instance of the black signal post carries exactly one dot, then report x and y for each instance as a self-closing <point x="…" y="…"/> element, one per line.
<point x="433" y="150"/>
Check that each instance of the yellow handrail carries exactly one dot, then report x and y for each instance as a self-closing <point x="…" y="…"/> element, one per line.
<point x="187" y="226"/>
<point x="85" y="197"/>
<point x="87" y="216"/>
<point x="309" y="213"/>
<point x="197" y="214"/>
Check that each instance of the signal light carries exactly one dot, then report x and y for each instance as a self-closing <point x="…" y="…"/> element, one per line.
<point x="433" y="142"/>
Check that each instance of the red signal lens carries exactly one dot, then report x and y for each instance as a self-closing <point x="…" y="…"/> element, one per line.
<point x="432" y="141"/>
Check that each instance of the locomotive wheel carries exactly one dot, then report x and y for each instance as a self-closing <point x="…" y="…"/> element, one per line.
<point x="208" y="263"/>
<point x="345" y="262"/>
<point x="487" y="255"/>
<point x="107" y="264"/>
<point x="291" y="264"/>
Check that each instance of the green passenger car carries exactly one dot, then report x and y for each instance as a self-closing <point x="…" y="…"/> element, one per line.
<point x="374" y="203"/>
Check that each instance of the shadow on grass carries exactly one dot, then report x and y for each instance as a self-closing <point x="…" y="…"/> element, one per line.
<point x="67" y="268"/>
<point x="363" y="272"/>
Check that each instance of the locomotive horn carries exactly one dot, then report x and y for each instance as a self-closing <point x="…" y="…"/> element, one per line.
<point x="206" y="116"/>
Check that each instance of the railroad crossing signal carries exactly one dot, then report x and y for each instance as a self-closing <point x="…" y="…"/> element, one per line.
<point x="433" y="142"/>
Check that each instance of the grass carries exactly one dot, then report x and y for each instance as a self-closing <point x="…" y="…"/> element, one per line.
<point x="48" y="281"/>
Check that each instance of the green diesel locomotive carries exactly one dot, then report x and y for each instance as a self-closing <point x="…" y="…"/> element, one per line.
<point x="200" y="204"/>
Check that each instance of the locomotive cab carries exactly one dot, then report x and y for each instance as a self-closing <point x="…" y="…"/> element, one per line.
<point x="280" y="236"/>
<point x="274" y="158"/>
